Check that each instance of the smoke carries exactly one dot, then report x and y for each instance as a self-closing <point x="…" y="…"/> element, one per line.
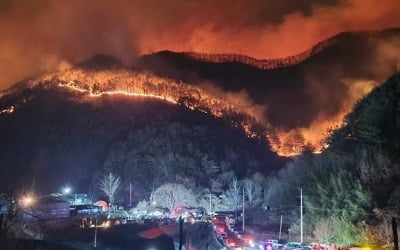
<point x="47" y="35"/>
<point x="37" y="35"/>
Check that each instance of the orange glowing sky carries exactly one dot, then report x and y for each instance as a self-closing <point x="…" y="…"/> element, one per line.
<point x="38" y="35"/>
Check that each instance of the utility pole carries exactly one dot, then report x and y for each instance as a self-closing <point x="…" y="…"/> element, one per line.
<point x="210" y="204"/>
<point x="1" y="223"/>
<point x="243" y="210"/>
<point x="95" y="233"/>
<point x="180" y="232"/>
<point x="130" y="194"/>
<point x="280" y="229"/>
<point x="301" y="215"/>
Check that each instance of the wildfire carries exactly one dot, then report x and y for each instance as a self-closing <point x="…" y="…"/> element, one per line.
<point x="226" y="106"/>
<point x="265" y="64"/>
<point x="294" y="141"/>
<point x="141" y="84"/>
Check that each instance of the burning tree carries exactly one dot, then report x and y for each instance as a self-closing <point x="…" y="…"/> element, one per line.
<point x="109" y="185"/>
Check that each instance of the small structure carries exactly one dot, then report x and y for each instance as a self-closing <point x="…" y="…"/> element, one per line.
<point x="103" y="205"/>
<point x="47" y="208"/>
<point x="78" y="199"/>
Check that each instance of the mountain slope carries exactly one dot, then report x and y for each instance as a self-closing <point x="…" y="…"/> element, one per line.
<point x="303" y="96"/>
<point x="63" y="136"/>
<point x="353" y="186"/>
<point x="372" y="134"/>
<point x="345" y="56"/>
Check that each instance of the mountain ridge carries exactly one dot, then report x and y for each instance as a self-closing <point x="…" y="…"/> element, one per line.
<point x="274" y="63"/>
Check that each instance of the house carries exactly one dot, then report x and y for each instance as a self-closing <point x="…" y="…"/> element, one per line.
<point x="47" y="208"/>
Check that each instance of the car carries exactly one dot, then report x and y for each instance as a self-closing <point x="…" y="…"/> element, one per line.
<point x="259" y="244"/>
<point x="315" y="246"/>
<point x="246" y="239"/>
<point x="275" y="244"/>
<point x="293" y="246"/>
<point x="230" y="242"/>
<point x="265" y="245"/>
<point x="268" y="246"/>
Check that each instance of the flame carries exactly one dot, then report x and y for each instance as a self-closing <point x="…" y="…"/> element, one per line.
<point x="264" y="64"/>
<point x="141" y="84"/>
<point x="227" y="106"/>
<point x="293" y="142"/>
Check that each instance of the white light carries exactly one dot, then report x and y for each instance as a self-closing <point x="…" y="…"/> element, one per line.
<point x="66" y="190"/>
<point x="251" y="243"/>
<point x="27" y="201"/>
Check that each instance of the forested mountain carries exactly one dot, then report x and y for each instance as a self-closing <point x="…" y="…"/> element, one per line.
<point x="292" y="84"/>
<point x="352" y="189"/>
<point x="63" y="136"/>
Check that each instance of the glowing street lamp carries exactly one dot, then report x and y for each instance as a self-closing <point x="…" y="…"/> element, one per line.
<point x="27" y="201"/>
<point x="66" y="190"/>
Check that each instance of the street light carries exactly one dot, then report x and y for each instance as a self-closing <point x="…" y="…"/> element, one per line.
<point x="66" y="190"/>
<point x="27" y="201"/>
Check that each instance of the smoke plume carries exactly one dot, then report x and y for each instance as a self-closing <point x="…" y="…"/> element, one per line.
<point x="37" y="35"/>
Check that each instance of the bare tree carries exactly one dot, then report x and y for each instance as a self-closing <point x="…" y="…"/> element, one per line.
<point x="171" y="194"/>
<point x="109" y="185"/>
<point x="209" y="201"/>
<point x="233" y="196"/>
<point x="323" y="231"/>
<point x="253" y="192"/>
<point x="10" y="219"/>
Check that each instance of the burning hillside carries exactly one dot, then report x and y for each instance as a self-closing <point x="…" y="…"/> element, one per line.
<point x="232" y="107"/>
<point x="264" y="64"/>
<point x="97" y="83"/>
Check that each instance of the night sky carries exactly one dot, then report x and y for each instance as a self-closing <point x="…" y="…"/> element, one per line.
<point x="41" y="35"/>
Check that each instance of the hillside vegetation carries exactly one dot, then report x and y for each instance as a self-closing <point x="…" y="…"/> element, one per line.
<point x="66" y="137"/>
<point x="352" y="189"/>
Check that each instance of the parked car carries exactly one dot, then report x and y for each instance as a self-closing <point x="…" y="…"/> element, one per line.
<point x="293" y="246"/>
<point x="246" y="239"/>
<point x="230" y="242"/>
<point x="258" y="244"/>
<point x="265" y="245"/>
<point x="275" y="244"/>
<point x="268" y="246"/>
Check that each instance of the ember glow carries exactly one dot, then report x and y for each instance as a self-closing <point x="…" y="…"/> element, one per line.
<point x="66" y="32"/>
<point x="138" y="84"/>
<point x="292" y="142"/>
<point x="230" y="106"/>
<point x="264" y="64"/>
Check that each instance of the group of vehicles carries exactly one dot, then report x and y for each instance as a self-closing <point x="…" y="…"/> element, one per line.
<point x="232" y="237"/>
<point x="227" y="233"/>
